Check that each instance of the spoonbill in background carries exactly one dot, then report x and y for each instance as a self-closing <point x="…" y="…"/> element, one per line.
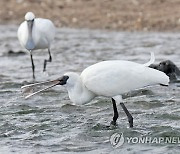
<point x="109" y="79"/>
<point x="36" y="33"/>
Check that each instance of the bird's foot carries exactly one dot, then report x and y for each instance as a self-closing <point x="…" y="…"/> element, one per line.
<point x="113" y="123"/>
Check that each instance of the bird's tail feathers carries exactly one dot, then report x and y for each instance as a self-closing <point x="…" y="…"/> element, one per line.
<point x="151" y="61"/>
<point x="164" y="79"/>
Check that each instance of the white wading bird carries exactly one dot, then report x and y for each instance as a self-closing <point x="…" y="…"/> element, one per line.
<point x="36" y="33"/>
<point x="109" y="79"/>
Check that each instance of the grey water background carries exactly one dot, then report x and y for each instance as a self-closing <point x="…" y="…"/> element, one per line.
<point x="49" y="123"/>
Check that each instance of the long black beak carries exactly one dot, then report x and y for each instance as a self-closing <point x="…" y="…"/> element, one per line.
<point x="49" y="84"/>
<point x="29" y="89"/>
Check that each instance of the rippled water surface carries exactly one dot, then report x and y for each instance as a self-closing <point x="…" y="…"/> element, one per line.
<point x="49" y="123"/>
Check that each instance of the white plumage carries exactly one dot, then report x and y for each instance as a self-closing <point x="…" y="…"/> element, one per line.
<point x="36" y="33"/>
<point x="110" y="79"/>
<point x="43" y="33"/>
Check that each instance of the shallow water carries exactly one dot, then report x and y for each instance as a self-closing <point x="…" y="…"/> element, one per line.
<point x="49" y="123"/>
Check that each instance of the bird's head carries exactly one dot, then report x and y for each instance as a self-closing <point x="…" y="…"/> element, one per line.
<point x="69" y="79"/>
<point x="63" y="80"/>
<point x="29" y="16"/>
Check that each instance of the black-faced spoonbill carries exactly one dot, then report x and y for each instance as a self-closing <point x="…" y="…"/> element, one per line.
<point x="109" y="79"/>
<point x="36" y="33"/>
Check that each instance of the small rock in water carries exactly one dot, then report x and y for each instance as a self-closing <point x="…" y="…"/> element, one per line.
<point x="169" y="68"/>
<point x="13" y="53"/>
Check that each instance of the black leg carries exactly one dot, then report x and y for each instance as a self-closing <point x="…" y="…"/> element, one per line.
<point x="47" y="60"/>
<point x="130" y="118"/>
<point x="33" y="67"/>
<point x="115" y="112"/>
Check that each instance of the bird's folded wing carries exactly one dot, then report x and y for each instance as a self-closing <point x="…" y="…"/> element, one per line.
<point x="119" y="77"/>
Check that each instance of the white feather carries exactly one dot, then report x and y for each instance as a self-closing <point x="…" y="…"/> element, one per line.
<point x="111" y="78"/>
<point x="43" y="33"/>
<point x="151" y="61"/>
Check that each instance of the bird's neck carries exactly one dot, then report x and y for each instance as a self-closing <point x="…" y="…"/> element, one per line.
<point x="79" y="94"/>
